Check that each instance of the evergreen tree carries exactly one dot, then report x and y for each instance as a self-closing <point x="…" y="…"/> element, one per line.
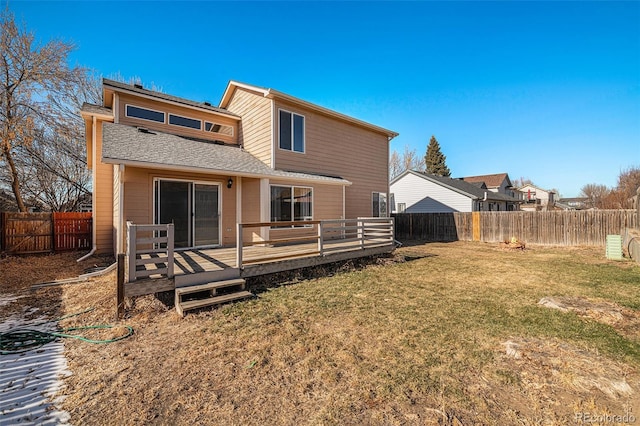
<point x="435" y="159"/>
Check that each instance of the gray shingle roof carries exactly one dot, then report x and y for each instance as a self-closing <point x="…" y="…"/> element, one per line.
<point x="96" y="109"/>
<point x="164" y="96"/>
<point x="123" y="144"/>
<point x="467" y="188"/>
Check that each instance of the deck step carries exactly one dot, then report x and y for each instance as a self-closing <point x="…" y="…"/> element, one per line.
<point x="181" y="307"/>
<point x="210" y="286"/>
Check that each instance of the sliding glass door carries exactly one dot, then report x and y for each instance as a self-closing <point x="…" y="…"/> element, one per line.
<point x="192" y="207"/>
<point x="206" y="220"/>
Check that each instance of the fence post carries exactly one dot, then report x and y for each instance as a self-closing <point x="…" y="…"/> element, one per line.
<point x="131" y="251"/>
<point x="170" y="243"/>
<point x="239" y="246"/>
<point x="476" y="226"/>
<point x="120" y="286"/>
<point x="320" y="239"/>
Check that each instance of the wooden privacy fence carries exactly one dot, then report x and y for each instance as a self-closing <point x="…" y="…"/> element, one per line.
<point x="567" y="228"/>
<point x="25" y="233"/>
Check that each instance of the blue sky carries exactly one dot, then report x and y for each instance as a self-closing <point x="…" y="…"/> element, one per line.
<point x="544" y="90"/>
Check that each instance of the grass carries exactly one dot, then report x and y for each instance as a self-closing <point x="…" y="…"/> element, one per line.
<point x="419" y="342"/>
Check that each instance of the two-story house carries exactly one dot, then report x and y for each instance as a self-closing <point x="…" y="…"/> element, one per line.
<point x="537" y="198"/>
<point x="259" y="156"/>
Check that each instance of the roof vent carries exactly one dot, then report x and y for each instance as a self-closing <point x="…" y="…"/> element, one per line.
<point x="145" y="130"/>
<point x="137" y="86"/>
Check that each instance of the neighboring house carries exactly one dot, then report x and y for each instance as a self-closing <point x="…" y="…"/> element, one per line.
<point x="259" y="156"/>
<point x="416" y="192"/>
<point x="577" y="203"/>
<point x="536" y="198"/>
<point x="498" y="182"/>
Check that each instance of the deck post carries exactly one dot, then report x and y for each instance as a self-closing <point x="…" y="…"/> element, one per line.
<point x="120" y="286"/>
<point x="170" y="237"/>
<point x="131" y="251"/>
<point x="320" y="239"/>
<point x="361" y="231"/>
<point x="239" y="246"/>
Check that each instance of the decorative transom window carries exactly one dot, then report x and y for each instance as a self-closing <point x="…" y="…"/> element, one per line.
<point x="291" y="203"/>
<point x="178" y="120"/>
<point x="291" y="131"/>
<point x="144" y="113"/>
<point x="223" y="129"/>
<point x="379" y="204"/>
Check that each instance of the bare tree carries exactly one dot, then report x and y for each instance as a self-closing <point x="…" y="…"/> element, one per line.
<point x="521" y="181"/>
<point x="32" y="76"/>
<point x="596" y="194"/>
<point x="409" y="160"/>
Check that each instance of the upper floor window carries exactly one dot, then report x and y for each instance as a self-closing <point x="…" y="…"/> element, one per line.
<point x="178" y="120"/>
<point x="218" y="128"/>
<point x="291" y="131"/>
<point x="144" y="113"/>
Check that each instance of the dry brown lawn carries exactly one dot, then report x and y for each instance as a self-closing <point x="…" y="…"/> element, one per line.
<point x="453" y="336"/>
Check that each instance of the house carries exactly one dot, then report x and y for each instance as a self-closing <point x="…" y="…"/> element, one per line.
<point x="259" y="156"/>
<point x="536" y="199"/>
<point x="498" y="182"/>
<point x="416" y="192"/>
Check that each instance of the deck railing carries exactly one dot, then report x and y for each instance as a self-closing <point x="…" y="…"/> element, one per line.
<point x="318" y="238"/>
<point x="149" y="245"/>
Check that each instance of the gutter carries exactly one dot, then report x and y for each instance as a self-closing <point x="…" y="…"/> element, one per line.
<point x="93" y="196"/>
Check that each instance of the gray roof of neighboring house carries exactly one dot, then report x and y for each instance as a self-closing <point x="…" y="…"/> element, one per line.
<point x="164" y="96"/>
<point x="123" y="144"/>
<point x="461" y="186"/>
<point x="96" y="109"/>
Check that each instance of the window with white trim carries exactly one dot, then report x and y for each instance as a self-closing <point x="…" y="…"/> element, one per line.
<point x="379" y="204"/>
<point x="291" y="129"/>
<point x="291" y="203"/>
<point x="144" y="113"/>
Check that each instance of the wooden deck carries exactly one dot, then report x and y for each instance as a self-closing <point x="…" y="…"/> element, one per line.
<point x="197" y="266"/>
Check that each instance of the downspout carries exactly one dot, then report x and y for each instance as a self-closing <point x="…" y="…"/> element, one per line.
<point x="482" y="201"/>
<point x="93" y="195"/>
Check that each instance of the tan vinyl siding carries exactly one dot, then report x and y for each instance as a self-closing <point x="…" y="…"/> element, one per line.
<point x="103" y="193"/>
<point x="251" y="207"/>
<point x="254" y="133"/>
<point x="138" y="189"/>
<point x="124" y="99"/>
<point x="337" y="148"/>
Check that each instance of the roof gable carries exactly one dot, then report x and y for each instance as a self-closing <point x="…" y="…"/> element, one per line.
<point x="274" y="94"/>
<point x="492" y="181"/>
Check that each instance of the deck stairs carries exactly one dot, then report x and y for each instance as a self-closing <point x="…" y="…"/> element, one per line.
<point x="210" y="294"/>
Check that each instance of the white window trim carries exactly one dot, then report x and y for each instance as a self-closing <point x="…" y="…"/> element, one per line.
<point x="304" y="132"/>
<point x="313" y="199"/>
<point x="192" y="206"/>
<point x="183" y="116"/>
<point x="213" y="123"/>
<point x="164" y="114"/>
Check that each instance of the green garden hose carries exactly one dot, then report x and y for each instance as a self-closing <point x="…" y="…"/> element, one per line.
<point x="24" y="339"/>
